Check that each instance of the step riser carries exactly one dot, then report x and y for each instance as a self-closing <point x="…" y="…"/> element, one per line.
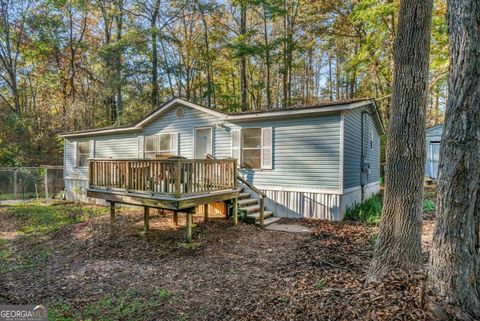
<point x="256" y="215"/>
<point x="269" y="221"/>
<point x="247" y="203"/>
<point x="243" y="196"/>
<point x="252" y="207"/>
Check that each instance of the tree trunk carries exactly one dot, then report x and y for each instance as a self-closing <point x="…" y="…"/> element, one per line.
<point x="243" y="60"/>
<point x="330" y="78"/>
<point x="398" y="244"/>
<point x="153" y="26"/>
<point x="285" y="56"/>
<point x="208" y="65"/>
<point x="154" y="94"/>
<point x="118" y="64"/>
<point x="454" y="267"/>
<point x="267" y="59"/>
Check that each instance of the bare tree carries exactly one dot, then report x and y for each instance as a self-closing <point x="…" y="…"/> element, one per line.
<point x="398" y="243"/>
<point x="12" y="27"/>
<point x="454" y="269"/>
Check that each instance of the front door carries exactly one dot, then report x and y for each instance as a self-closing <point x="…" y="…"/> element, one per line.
<point x="203" y="142"/>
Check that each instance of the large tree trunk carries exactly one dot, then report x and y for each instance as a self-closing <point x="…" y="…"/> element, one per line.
<point x="454" y="269"/>
<point x="398" y="244"/>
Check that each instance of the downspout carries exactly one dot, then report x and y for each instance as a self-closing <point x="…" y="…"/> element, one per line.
<point x="363" y="169"/>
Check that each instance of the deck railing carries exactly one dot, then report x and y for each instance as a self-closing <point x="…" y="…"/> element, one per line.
<point x="176" y="177"/>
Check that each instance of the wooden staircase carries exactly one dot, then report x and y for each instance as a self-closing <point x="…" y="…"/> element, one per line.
<point x="251" y="205"/>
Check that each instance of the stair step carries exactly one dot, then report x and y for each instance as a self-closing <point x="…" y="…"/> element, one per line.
<point x="256" y="215"/>
<point x="246" y="201"/>
<point x="270" y="220"/>
<point x="244" y="195"/>
<point x="251" y="208"/>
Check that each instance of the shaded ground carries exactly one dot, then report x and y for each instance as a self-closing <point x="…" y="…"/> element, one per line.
<point x="89" y="270"/>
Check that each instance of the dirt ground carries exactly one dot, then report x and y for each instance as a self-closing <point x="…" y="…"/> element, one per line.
<point x="90" y="270"/>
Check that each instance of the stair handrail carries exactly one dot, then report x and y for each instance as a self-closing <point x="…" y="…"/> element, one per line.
<point x="250" y="186"/>
<point x="261" y="194"/>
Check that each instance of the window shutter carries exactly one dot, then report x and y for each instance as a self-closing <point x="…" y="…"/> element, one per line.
<point x="175" y="144"/>
<point x="236" y="143"/>
<point x="267" y="161"/>
<point x="92" y="149"/>
<point x="141" y="148"/>
<point x="74" y="153"/>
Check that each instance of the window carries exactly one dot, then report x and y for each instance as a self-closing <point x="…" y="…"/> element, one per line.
<point x="150" y="146"/>
<point x="159" y="145"/>
<point x="83" y="153"/>
<point x="252" y="148"/>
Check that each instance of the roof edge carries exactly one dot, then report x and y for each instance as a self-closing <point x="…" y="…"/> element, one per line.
<point x="226" y="117"/>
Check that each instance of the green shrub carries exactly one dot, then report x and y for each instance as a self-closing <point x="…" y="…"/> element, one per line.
<point x="428" y="206"/>
<point x="368" y="211"/>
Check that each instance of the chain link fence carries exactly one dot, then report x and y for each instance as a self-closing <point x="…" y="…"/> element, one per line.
<point x="22" y="183"/>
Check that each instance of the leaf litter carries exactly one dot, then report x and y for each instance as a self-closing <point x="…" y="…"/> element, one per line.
<point x="229" y="272"/>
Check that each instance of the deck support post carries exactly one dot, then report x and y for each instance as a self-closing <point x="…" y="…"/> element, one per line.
<point x="146" y="218"/>
<point x="262" y="212"/>
<point x="112" y="212"/>
<point x="188" y="227"/>
<point x="175" y="218"/>
<point x="235" y="211"/>
<point x="205" y="212"/>
<point x="226" y="208"/>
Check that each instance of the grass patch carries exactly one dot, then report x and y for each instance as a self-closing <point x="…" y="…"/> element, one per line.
<point x="320" y="285"/>
<point x="369" y="211"/>
<point x="20" y="196"/>
<point x="38" y="218"/>
<point x="428" y="206"/>
<point x="127" y="305"/>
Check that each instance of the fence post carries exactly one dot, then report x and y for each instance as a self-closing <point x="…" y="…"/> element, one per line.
<point x="46" y="182"/>
<point x="15" y="184"/>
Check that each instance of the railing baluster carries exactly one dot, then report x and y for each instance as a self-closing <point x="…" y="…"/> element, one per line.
<point x="174" y="177"/>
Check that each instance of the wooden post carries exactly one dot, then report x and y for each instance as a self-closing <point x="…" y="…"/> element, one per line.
<point x="262" y="211"/>
<point x="235" y="211"/>
<point x="188" y="228"/>
<point x="46" y="182"/>
<point x="178" y="177"/>
<point x="112" y="212"/>
<point x="146" y="218"/>
<point x="175" y="218"/>
<point x="205" y="212"/>
<point x="15" y="184"/>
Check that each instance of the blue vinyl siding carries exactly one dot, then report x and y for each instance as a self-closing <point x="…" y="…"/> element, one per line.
<point x="306" y="150"/>
<point x="306" y="153"/>
<point x="352" y="148"/>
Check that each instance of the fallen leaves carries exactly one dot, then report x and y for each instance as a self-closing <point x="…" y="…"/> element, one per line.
<point x="229" y="273"/>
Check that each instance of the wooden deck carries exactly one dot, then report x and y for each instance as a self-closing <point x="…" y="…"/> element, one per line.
<point x="180" y="185"/>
